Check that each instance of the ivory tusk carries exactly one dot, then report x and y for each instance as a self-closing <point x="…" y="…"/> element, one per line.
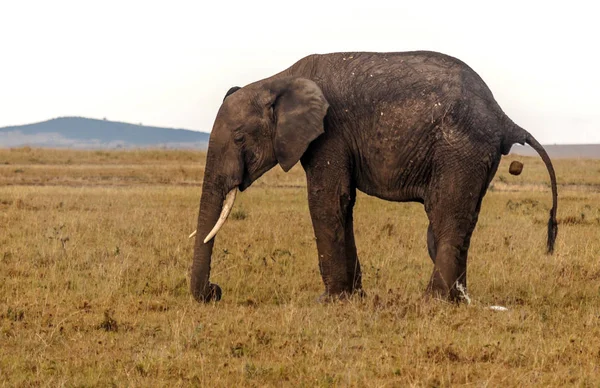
<point x="227" y="206"/>
<point x="193" y="233"/>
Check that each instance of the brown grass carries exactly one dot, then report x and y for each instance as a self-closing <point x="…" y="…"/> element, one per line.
<point x="95" y="264"/>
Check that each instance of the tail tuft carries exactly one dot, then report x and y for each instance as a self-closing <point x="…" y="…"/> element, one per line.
<point x="552" y="231"/>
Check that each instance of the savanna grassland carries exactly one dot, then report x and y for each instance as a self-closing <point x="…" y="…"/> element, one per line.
<point x="94" y="274"/>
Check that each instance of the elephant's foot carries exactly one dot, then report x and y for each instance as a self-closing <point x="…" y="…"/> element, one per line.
<point x="328" y="297"/>
<point x="442" y="292"/>
<point x="448" y="284"/>
<point x="214" y="294"/>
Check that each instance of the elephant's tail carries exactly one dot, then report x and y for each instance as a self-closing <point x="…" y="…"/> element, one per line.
<point x="552" y="223"/>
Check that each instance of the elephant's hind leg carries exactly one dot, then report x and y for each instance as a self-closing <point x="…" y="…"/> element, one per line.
<point x="453" y="213"/>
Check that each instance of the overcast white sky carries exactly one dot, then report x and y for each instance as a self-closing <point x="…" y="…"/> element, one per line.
<point x="170" y="63"/>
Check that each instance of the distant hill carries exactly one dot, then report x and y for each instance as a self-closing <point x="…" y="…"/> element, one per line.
<point x="80" y="132"/>
<point x="555" y="151"/>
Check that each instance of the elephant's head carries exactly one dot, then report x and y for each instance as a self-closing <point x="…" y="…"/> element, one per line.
<point x="265" y="123"/>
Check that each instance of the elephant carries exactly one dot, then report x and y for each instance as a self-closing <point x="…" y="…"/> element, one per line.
<point x="401" y="126"/>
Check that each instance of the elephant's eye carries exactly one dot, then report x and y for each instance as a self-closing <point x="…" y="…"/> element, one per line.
<point x="238" y="138"/>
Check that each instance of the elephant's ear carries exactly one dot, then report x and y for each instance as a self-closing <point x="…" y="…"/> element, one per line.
<point x="299" y="110"/>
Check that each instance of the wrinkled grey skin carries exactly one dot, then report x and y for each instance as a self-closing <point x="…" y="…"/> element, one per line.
<point x="414" y="126"/>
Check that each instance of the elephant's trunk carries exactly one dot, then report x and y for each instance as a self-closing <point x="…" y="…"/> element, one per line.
<point x="211" y="204"/>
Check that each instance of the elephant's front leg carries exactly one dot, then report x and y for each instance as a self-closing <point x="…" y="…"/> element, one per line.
<point x="352" y="263"/>
<point x="330" y="202"/>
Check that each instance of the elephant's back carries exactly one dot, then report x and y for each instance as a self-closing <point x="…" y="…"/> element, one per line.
<point x="374" y="77"/>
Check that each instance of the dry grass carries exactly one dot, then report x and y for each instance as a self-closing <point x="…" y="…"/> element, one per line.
<point x="94" y="283"/>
